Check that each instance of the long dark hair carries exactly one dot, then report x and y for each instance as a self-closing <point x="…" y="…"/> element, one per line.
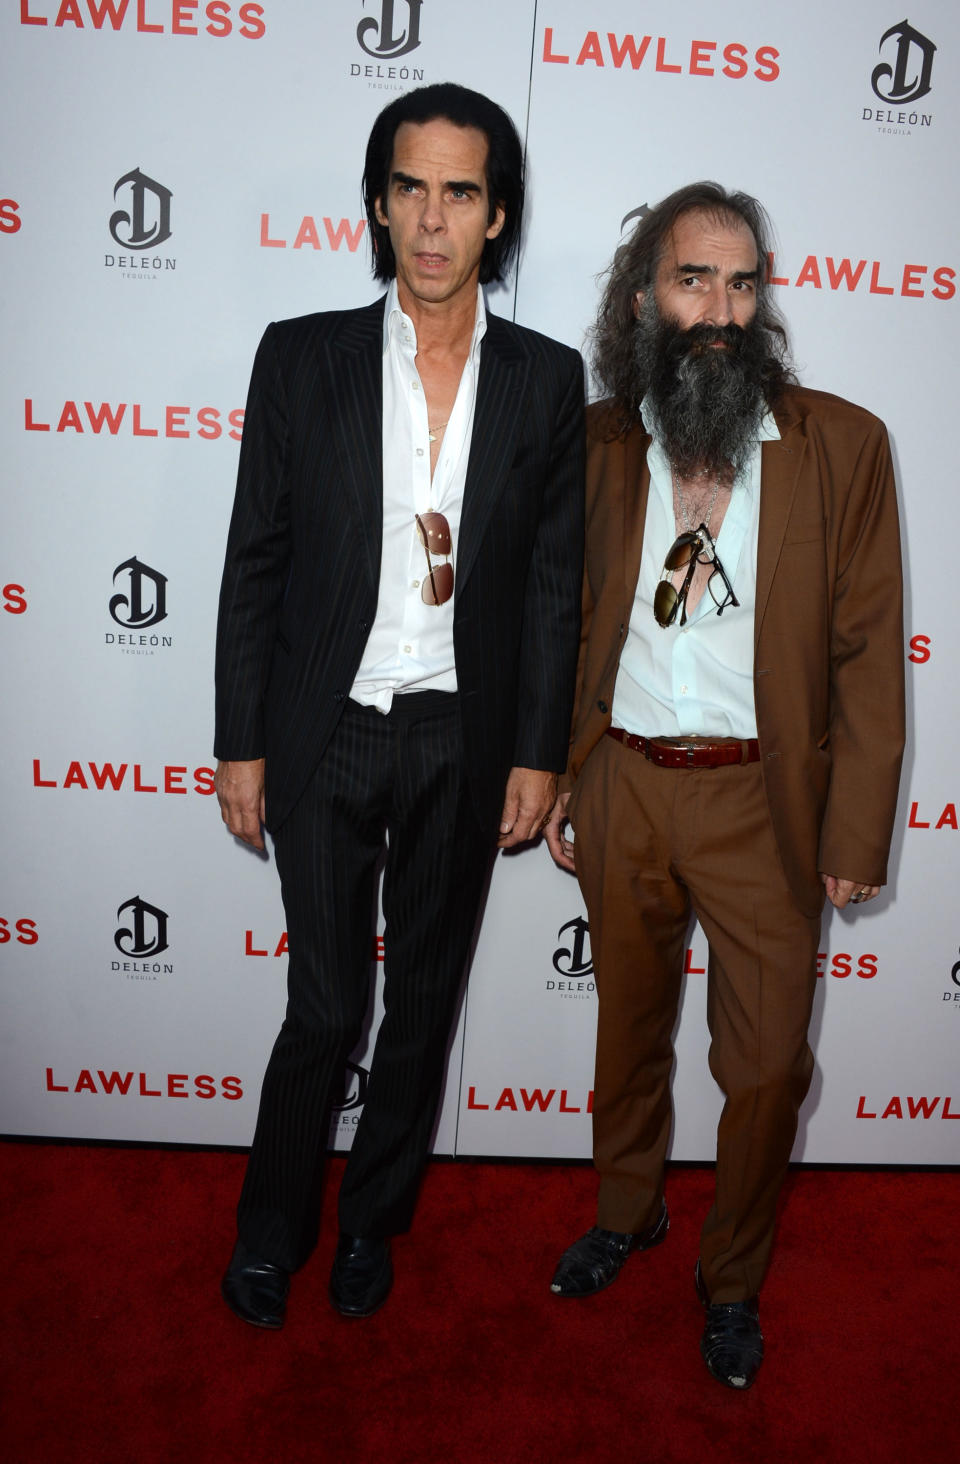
<point x="464" y="108"/>
<point x="634" y="268"/>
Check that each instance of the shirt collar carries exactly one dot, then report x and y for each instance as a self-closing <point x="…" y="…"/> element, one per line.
<point x="399" y="327"/>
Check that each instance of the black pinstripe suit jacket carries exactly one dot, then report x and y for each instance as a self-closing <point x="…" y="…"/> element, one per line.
<point x="302" y="568"/>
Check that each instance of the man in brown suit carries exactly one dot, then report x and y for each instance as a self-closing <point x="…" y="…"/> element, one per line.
<point x="738" y="731"/>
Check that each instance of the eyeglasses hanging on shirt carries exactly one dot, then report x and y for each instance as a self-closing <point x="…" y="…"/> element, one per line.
<point x="690" y="548"/>
<point x="433" y="532"/>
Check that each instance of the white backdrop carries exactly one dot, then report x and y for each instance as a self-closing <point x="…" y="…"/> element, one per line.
<point x="177" y="174"/>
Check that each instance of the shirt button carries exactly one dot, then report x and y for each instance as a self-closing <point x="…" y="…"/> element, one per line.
<point x="416" y="584"/>
<point x="415" y="385"/>
<point x="407" y="650"/>
<point x="683" y="691"/>
<point x="419" y="452"/>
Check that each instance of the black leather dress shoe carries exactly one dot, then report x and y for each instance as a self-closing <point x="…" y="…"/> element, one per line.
<point x="732" y="1342"/>
<point x="254" y="1289"/>
<point x="594" y="1261"/>
<point x="362" y="1275"/>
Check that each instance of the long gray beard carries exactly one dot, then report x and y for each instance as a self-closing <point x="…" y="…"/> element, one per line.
<point x="708" y="401"/>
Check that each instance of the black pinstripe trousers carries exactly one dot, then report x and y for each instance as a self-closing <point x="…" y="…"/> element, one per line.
<point x="401" y="776"/>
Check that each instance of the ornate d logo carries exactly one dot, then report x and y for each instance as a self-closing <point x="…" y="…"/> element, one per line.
<point x="148" y="937"/>
<point x="139" y="236"/>
<point x="955" y="974"/>
<point x="577" y="960"/>
<point x="389" y="45"/>
<point x="354" y="1091"/>
<point x="908" y="79"/>
<point x="133" y="610"/>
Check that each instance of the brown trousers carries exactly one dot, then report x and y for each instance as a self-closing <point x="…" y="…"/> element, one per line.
<point x="652" y="844"/>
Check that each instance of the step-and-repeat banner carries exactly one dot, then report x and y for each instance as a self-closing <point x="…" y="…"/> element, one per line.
<point x="176" y="174"/>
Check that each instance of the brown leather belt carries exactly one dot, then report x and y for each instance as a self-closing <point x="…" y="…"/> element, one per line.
<point x="690" y="752"/>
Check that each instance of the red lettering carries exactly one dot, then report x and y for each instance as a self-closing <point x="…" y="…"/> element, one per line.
<point x="378" y="950"/>
<point x="203" y="781"/>
<point x="174" y="418"/>
<point x="204" y="1086"/>
<point x="265" y="241"/>
<point x="146" y="1092"/>
<point x="114" y="1081"/>
<point x="821" y="957"/>
<point x="142" y="23"/>
<point x="336" y="236"/>
<point x="307" y="234"/>
<point x="844" y="273"/>
<point x="662" y="63"/>
<point x="506" y="1100"/>
<point x="232" y="1088"/>
<point x="107" y="9"/>
<point x="767" y="68"/>
<point x="105" y="414"/>
<point x="689" y="968"/>
<point x="139" y="431"/>
<point x="175" y="1082"/>
<point x="10" y="220"/>
<point x="842" y="965"/>
<point x="209" y="419"/>
<point x="627" y="49"/>
<point x="70" y="417"/>
<point x="39" y="782"/>
<point x="911" y="277"/>
<point x="249" y="950"/>
<point x="26" y="931"/>
<point x="27" y="19"/>
<point x="867" y="967"/>
<point x="923" y="1106"/>
<point x="75" y="777"/>
<point x="29" y="424"/>
<point x="472" y="1092"/>
<point x="590" y="1101"/>
<point x="590" y="50"/>
<point x="536" y="1097"/>
<point x="69" y="10"/>
<point x="947" y="1112"/>
<point x="215" y="13"/>
<point x="875" y="287"/>
<point x="563" y="1103"/>
<point x="85" y="1083"/>
<point x="913" y="822"/>
<point x="810" y="272"/>
<point x="735" y="56"/>
<point x="282" y="946"/>
<point x="894" y="1109"/>
<point x="139" y="787"/>
<point x="53" y="1087"/>
<point x="182" y="12"/>
<point x="919" y="650"/>
<point x="173" y="780"/>
<point x="771" y="277"/>
<point x="948" y="818"/>
<point x="14" y="599"/>
<point x="700" y="53"/>
<point x="861" y="1111"/>
<point x="944" y="279"/>
<point x="235" y="418"/>
<point x="254" y="26"/>
<point x="548" y="51"/>
<point x="107" y="774"/>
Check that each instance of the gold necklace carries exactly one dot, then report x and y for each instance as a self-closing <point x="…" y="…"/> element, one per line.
<point x="432" y="431"/>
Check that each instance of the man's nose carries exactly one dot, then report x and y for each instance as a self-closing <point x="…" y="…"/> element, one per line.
<point x="718" y="311"/>
<point x="431" y="215"/>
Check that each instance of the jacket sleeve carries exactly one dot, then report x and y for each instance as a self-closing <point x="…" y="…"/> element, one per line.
<point x="551" y="612"/>
<point x="866" y="731"/>
<point x="257" y="563"/>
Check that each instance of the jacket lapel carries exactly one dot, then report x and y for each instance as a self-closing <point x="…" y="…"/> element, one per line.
<point x="499" y="412"/>
<point x="353" y="375"/>
<point x="636" y="491"/>
<point x="781" y="463"/>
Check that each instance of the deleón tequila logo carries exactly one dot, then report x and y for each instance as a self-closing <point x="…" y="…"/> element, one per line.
<point x="387" y="43"/>
<point x="130" y="227"/>
<point x="145" y="601"/>
<point x="147" y="933"/>
<point x="908" y="78"/>
<point x="575" y="959"/>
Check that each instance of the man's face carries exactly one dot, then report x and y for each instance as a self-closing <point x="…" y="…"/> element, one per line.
<point x="708" y="273"/>
<point x="436" y="207"/>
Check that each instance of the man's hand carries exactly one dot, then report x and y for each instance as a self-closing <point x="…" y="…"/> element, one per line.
<point x="527" y="803"/>
<point x="559" y="845"/>
<point x="842" y="892"/>
<point x="239" y="788"/>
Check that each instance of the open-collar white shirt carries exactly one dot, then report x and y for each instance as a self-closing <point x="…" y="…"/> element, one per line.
<point x="410" y="646"/>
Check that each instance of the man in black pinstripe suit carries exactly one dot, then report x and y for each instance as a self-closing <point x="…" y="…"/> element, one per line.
<point x="395" y="659"/>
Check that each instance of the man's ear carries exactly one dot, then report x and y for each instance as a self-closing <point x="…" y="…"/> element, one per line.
<point x="637" y="304"/>
<point x="379" y="213"/>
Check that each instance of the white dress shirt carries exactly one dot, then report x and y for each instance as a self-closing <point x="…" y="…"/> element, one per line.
<point x="410" y="647"/>
<point x="694" y="680"/>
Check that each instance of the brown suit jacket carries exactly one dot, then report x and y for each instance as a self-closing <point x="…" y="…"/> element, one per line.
<point x="828" y="658"/>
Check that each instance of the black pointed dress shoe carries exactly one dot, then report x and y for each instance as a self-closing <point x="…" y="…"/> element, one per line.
<point x="594" y="1261"/>
<point x="254" y="1289"/>
<point x="362" y="1275"/>
<point x="732" y="1342"/>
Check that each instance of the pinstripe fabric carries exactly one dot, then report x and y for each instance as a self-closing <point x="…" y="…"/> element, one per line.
<point x="406" y="778"/>
<point x="303" y="555"/>
<point x="298" y="598"/>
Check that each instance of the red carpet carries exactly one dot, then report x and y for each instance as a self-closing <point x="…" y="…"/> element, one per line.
<point x="118" y="1350"/>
